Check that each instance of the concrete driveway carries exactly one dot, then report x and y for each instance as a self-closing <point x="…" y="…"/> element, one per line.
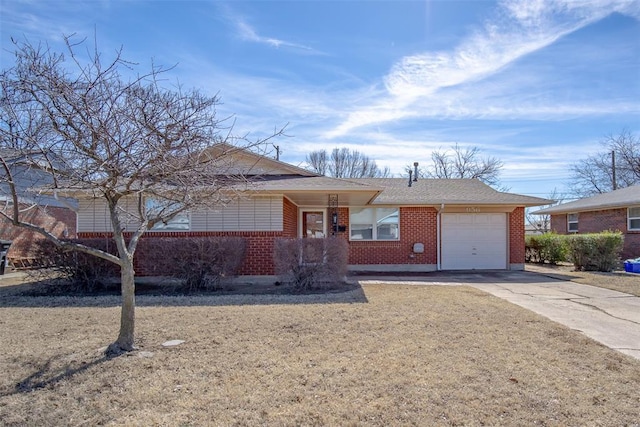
<point x="609" y="317"/>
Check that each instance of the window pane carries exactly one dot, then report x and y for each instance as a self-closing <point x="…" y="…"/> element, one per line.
<point x="573" y="226"/>
<point x="361" y="223"/>
<point x="374" y="223"/>
<point x="634" y="212"/>
<point x="387" y="223"/>
<point x="573" y="217"/>
<point x="180" y="222"/>
<point x="361" y="215"/>
<point x="634" y="224"/>
<point x="362" y="231"/>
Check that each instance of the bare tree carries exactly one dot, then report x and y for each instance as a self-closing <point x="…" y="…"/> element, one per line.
<point x="459" y="162"/>
<point x="344" y="163"/>
<point x="542" y="223"/>
<point x="127" y="142"/>
<point x="616" y="166"/>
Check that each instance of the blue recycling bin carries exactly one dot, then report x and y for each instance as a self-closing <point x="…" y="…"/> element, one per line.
<point x="632" y="266"/>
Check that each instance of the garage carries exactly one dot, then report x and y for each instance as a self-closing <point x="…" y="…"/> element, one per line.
<point x="474" y="241"/>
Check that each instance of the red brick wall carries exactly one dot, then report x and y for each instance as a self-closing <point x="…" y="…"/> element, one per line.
<point x="606" y="220"/>
<point x="559" y="223"/>
<point x="61" y="222"/>
<point x="417" y="225"/>
<point x="259" y="255"/>
<point x="516" y="236"/>
<point x="289" y="218"/>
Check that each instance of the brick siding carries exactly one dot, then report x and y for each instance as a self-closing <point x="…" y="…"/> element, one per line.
<point x="516" y="236"/>
<point x="61" y="222"/>
<point x="417" y="225"/>
<point x="605" y="220"/>
<point x="289" y="218"/>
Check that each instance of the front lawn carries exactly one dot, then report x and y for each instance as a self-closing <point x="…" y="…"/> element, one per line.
<point x="617" y="281"/>
<point x="377" y="355"/>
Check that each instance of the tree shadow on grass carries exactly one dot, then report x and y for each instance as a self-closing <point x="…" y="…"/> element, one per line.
<point x="51" y="372"/>
<point x="350" y="293"/>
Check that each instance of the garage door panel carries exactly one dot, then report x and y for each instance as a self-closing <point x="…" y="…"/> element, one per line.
<point x="474" y="241"/>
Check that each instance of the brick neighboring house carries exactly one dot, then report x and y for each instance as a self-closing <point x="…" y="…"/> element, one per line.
<point x="54" y="214"/>
<point x="617" y="210"/>
<point x="390" y="224"/>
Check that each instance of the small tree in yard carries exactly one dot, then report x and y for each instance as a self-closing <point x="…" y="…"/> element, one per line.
<point x="127" y="142"/>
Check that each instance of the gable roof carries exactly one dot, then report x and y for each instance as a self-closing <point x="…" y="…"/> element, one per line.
<point x="622" y="198"/>
<point x="248" y="163"/>
<point x="396" y="191"/>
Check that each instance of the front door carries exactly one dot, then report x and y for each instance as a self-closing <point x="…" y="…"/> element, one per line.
<point x="313" y="224"/>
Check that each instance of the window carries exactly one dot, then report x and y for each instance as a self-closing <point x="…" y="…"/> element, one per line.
<point x="155" y="208"/>
<point x="572" y="223"/>
<point x="374" y="223"/>
<point x="633" y="214"/>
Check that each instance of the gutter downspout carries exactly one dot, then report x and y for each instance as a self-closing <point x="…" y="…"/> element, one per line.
<point x="438" y="236"/>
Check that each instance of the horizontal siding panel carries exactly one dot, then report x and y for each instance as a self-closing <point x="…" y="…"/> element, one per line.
<point x="93" y="216"/>
<point x="198" y="221"/>
<point x="256" y="214"/>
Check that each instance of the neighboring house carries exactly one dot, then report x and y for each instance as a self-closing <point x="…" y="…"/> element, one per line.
<point x="391" y="224"/>
<point x="57" y="215"/>
<point x="617" y="210"/>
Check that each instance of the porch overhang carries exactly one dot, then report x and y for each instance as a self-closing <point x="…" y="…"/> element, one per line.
<point x="321" y="198"/>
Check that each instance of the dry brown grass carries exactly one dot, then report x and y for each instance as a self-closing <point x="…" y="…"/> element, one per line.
<point x="617" y="281"/>
<point x="381" y="355"/>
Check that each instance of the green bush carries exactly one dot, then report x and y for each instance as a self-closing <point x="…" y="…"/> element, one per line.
<point x="548" y="247"/>
<point x="595" y="252"/>
<point x="311" y="263"/>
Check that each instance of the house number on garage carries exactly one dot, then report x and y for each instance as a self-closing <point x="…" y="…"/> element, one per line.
<point x="473" y="210"/>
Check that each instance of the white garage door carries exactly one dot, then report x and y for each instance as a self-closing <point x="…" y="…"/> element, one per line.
<point x="474" y="241"/>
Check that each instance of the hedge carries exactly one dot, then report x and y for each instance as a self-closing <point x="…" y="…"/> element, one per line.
<point x="595" y="251"/>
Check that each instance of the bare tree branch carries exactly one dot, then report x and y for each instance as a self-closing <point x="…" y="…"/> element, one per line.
<point x="459" y="162"/>
<point x="344" y="163"/>
<point x="123" y="140"/>
<point x="595" y="174"/>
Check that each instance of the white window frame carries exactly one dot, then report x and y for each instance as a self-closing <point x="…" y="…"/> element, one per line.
<point x="635" y="217"/>
<point x="374" y="232"/>
<point x="575" y="221"/>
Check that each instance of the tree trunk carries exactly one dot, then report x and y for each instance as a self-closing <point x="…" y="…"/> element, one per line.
<point x="125" y="341"/>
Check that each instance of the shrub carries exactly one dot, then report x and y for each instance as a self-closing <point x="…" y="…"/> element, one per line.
<point x="84" y="272"/>
<point x="311" y="263"/>
<point x="548" y="247"/>
<point x="201" y="262"/>
<point x="595" y="252"/>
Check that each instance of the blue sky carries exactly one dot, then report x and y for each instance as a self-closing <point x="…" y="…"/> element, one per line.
<point x="535" y="83"/>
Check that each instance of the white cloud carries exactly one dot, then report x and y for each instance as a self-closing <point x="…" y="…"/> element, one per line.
<point x="247" y="32"/>
<point x="521" y="27"/>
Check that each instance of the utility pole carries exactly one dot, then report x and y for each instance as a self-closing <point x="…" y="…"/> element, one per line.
<point x="613" y="169"/>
